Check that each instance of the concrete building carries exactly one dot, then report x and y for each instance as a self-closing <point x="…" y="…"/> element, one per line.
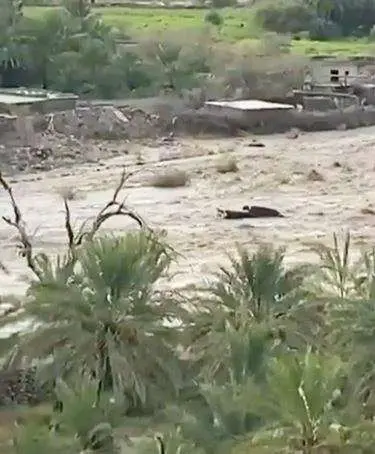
<point x="327" y="70"/>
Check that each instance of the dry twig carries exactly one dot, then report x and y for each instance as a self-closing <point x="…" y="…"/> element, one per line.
<point x="25" y="246"/>
<point x="3" y="268"/>
<point x="113" y="208"/>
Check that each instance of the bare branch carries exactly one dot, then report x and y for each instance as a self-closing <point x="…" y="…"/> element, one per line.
<point x="68" y="225"/>
<point x="111" y="209"/>
<point x="3" y="268"/>
<point x="123" y="180"/>
<point x="25" y="246"/>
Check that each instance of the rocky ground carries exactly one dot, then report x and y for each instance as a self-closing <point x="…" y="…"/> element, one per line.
<point x="322" y="182"/>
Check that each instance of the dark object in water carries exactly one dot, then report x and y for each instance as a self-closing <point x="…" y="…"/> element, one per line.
<point x="252" y="212"/>
<point x="254" y="143"/>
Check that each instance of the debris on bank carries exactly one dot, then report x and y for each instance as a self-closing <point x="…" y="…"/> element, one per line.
<point x="247" y="212"/>
<point x="32" y="140"/>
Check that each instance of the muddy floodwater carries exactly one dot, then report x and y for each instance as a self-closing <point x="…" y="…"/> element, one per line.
<point x="321" y="182"/>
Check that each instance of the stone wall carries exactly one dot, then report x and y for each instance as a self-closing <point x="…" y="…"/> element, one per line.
<point x="105" y="122"/>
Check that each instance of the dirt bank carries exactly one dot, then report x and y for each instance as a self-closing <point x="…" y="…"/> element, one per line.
<point x="279" y="175"/>
<point x="99" y="131"/>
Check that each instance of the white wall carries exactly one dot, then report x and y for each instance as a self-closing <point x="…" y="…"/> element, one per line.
<point x="321" y="70"/>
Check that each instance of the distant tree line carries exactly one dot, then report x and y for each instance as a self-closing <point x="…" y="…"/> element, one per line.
<point x="321" y="19"/>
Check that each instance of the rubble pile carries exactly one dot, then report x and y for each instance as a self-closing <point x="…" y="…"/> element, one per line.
<point x="51" y="151"/>
<point x="63" y="139"/>
<point x="106" y="122"/>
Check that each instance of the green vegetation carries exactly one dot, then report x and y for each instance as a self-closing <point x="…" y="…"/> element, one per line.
<point x="144" y="20"/>
<point x="238" y="24"/>
<point x="141" y="21"/>
<point x="72" y="49"/>
<point x="264" y="359"/>
<point x="138" y="52"/>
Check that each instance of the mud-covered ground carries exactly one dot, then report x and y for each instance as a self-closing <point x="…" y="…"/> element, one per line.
<point x="323" y="182"/>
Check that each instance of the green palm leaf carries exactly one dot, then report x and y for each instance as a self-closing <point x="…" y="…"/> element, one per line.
<point x="103" y="314"/>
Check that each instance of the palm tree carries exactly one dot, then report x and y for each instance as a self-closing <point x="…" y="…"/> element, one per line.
<point x="212" y="416"/>
<point x="257" y="290"/>
<point x="308" y="409"/>
<point x="92" y="426"/>
<point x="217" y="431"/>
<point x="12" y="43"/>
<point x="49" y="37"/>
<point x="105" y="316"/>
<point x="299" y="397"/>
<point x="352" y="334"/>
<point x="256" y="286"/>
<point x="66" y="38"/>
<point x="224" y="420"/>
<point x="346" y="286"/>
<point x="336" y="270"/>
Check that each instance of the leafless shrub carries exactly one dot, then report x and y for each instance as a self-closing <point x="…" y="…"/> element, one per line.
<point x="68" y="193"/>
<point x="170" y="179"/>
<point x="261" y="71"/>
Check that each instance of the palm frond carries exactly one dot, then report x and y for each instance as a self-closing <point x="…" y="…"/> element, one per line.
<point x="336" y="270"/>
<point x="364" y="276"/>
<point x="298" y="396"/>
<point x="101" y="313"/>
<point x="257" y="286"/>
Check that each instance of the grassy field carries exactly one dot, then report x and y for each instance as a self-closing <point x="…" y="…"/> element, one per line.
<point x="238" y="25"/>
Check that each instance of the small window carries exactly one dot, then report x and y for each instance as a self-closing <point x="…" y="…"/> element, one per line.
<point x="334" y="76"/>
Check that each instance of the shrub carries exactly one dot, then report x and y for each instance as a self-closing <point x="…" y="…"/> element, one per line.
<point x="354" y="18"/>
<point x="275" y="44"/>
<point x="170" y="179"/>
<point x="340" y="18"/>
<point x="178" y="57"/>
<point x="372" y="34"/>
<point x="324" y="29"/>
<point x="289" y="18"/>
<point x="223" y="3"/>
<point x="214" y="18"/>
<point x="270" y="76"/>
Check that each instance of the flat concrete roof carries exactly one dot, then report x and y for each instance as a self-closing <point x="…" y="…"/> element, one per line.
<point x="18" y="99"/>
<point x="30" y="96"/>
<point x="250" y="104"/>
